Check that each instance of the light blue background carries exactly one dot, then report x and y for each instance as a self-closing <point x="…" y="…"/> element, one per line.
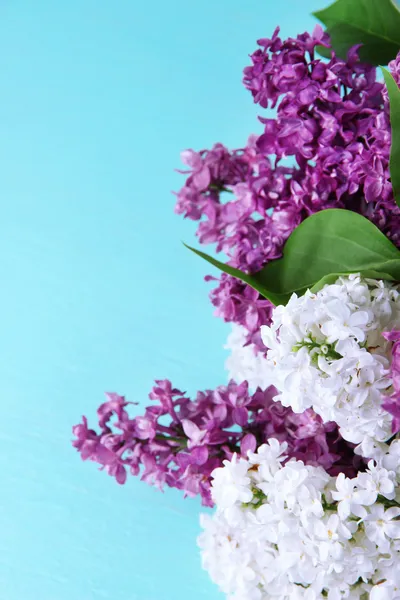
<point x="97" y="99"/>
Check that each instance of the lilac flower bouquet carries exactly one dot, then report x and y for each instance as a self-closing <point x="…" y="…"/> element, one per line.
<point x="299" y="452"/>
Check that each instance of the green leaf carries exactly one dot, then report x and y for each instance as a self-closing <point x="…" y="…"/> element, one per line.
<point x="328" y="244"/>
<point x="373" y="23"/>
<point x="394" y="97"/>
<point x="254" y="281"/>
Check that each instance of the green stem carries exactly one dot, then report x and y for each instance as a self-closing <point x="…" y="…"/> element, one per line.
<point x="218" y="188"/>
<point x="387" y="503"/>
<point x="169" y="438"/>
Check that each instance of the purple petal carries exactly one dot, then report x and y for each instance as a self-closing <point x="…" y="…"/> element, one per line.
<point x="191" y="430"/>
<point x="201" y="179"/>
<point x="120" y="474"/>
<point x="199" y="455"/>
<point x="104" y="456"/>
<point x="241" y="416"/>
<point x="248" y="444"/>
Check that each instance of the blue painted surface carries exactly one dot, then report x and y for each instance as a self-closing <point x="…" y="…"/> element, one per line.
<point x="96" y="101"/>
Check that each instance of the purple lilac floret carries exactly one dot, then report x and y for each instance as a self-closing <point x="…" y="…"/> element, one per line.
<point x="392" y="404"/>
<point x="178" y="442"/>
<point x="332" y="123"/>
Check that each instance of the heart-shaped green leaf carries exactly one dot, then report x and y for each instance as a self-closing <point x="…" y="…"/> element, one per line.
<point x="394" y="97"/>
<point x="328" y="244"/>
<point x="373" y="23"/>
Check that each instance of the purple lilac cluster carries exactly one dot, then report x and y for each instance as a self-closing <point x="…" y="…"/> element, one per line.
<point x="178" y="442"/>
<point x="332" y="123"/>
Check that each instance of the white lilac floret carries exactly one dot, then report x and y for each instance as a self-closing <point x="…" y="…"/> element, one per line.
<point x="245" y="361"/>
<point x="326" y="351"/>
<point x="286" y="530"/>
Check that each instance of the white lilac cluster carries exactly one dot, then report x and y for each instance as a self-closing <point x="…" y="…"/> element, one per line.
<point x="326" y="351"/>
<point x="286" y="531"/>
<point x="245" y="362"/>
